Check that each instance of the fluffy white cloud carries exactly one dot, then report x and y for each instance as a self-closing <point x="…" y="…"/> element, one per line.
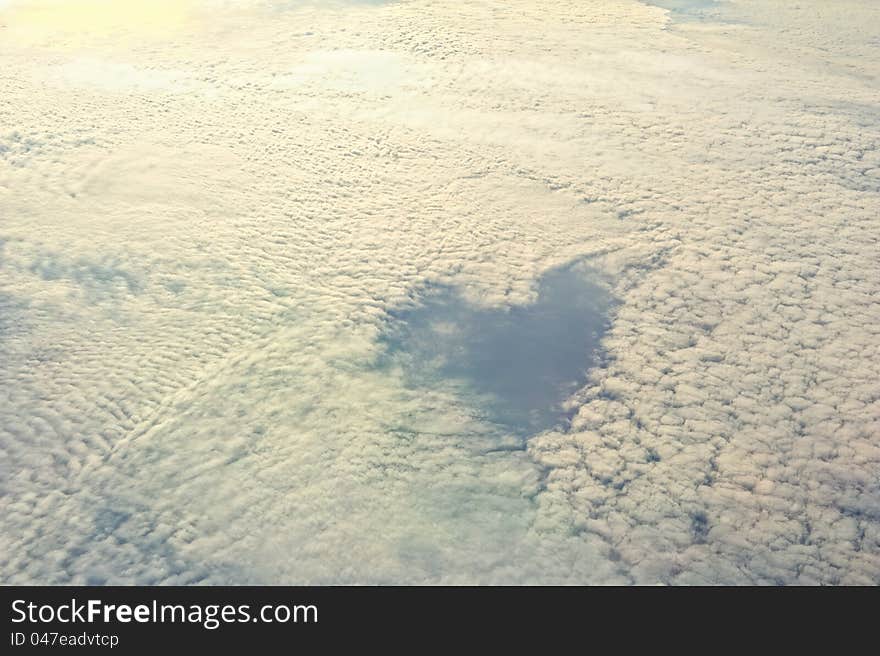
<point x="202" y="237"/>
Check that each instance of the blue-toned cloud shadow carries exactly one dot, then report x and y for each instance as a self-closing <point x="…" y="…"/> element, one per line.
<point x="519" y="364"/>
<point x="687" y="10"/>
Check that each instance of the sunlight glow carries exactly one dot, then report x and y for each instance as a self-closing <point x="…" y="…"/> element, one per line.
<point x="82" y="20"/>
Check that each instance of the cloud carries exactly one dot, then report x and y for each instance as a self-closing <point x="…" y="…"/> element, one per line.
<point x="204" y="242"/>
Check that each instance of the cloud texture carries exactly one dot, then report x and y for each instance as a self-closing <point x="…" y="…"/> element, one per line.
<point x="206" y="223"/>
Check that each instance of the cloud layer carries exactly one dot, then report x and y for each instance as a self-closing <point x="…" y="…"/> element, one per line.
<point x="203" y="238"/>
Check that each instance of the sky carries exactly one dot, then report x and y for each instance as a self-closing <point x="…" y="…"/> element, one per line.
<point x="262" y="262"/>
